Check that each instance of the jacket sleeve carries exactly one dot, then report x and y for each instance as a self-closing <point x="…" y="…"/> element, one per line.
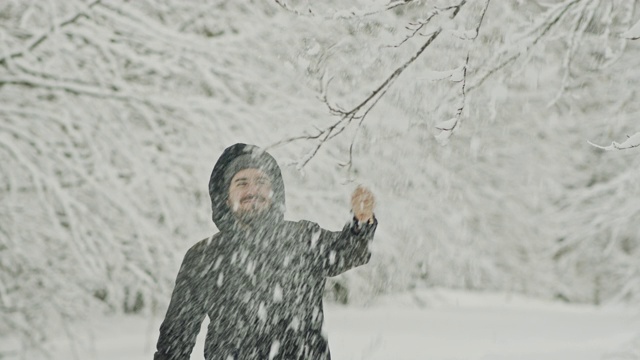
<point x="339" y="251"/>
<point x="186" y="311"/>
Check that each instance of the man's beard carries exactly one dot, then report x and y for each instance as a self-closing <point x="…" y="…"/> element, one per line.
<point x="252" y="215"/>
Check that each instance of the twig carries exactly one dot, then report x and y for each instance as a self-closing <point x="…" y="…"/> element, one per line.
<point x="346" y="14"/>
<point x="552" y="20"/>
<point x="448" y="127"/>
<point x="579" y="27"/>
<point x="419" y="25"/>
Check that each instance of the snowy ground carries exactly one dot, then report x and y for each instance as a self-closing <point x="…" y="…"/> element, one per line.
<point x="435" y="324"/>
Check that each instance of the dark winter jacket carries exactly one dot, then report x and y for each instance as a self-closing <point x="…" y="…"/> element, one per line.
<point x="261" y="286"/>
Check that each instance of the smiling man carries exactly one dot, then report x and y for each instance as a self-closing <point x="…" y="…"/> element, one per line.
<point x="260" y="279"/>
<point x="249" y="194"/>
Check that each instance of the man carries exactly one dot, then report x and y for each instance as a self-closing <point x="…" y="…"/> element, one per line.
<point x="261" y="278"/>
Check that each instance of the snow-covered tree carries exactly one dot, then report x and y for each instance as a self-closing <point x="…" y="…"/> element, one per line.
<point x="112" y="113"/>
<point x="539" y="77"/>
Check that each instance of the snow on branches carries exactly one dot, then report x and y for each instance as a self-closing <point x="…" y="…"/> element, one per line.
<point x="357" y="113"/>
<point x="632" y="141"/>
<point x="350" y="13"/>
<point x="633" y="33"/>
<point x="111" y="113"/>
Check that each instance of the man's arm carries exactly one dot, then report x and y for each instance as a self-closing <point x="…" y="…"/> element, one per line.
<point x="347" y="249"/>
<point x="186" y="311"/>
<point x="350" y="248"/>
<point x="339" y="251"/>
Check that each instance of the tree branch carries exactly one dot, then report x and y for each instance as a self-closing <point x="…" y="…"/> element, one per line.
<point x="362" y="109"/>
<point x="347" y="14"/>
<point x="632" y="141"/>
<point x="546" y="26"/>
<point x="45" y="35"/>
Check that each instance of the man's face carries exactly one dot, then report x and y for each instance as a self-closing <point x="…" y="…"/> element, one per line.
<point x="250" y="193"/>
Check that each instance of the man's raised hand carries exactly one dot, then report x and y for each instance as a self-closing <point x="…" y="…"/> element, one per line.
<point x="362" y="203"/>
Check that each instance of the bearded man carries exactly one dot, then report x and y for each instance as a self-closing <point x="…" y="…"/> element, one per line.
<point x="260" y="279"/>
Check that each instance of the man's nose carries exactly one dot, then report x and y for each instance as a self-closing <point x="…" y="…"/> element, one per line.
<point x="252" y="188"/>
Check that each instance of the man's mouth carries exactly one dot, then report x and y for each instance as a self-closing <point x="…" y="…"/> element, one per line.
<point x="252" y="199"/>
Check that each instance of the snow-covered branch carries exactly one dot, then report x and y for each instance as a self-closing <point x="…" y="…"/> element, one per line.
<point x="39" y="39"/>
<point x="449" y="126"/>
<point x="632" y="141"/>
<point x="361" y="110"/>
<point x="633" y="33"/>
<point x="346" y="13"/>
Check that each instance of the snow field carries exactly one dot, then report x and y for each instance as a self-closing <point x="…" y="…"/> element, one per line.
<point x="433" y="324"/>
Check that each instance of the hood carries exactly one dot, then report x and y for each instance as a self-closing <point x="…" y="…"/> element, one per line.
<point x="219" y="186"/>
